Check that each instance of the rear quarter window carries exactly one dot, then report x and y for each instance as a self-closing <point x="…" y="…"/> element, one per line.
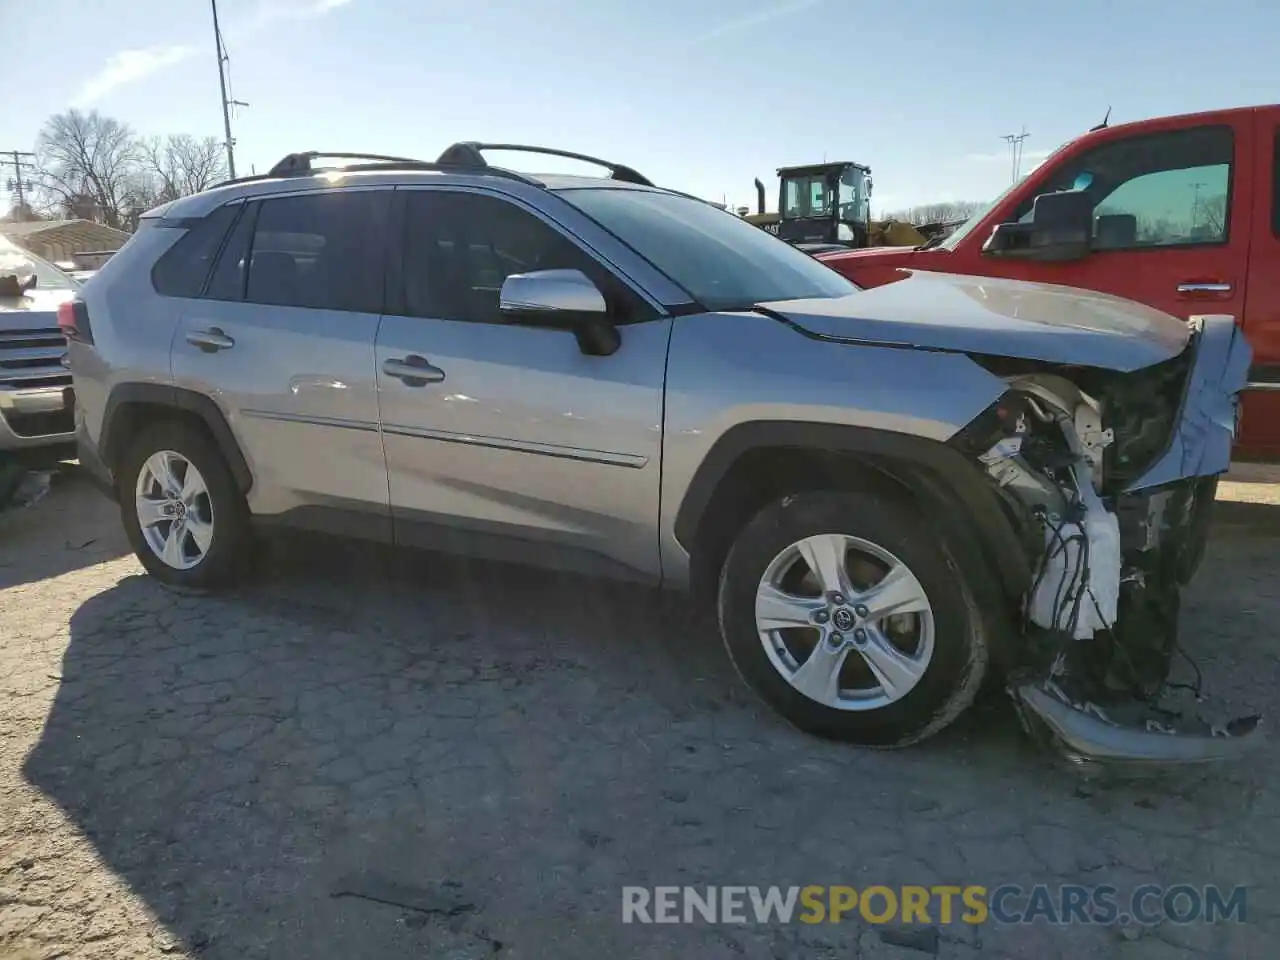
<point x="185" y="266"/>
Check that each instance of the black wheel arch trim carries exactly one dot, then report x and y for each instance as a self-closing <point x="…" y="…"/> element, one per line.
<point x="935" y="470"/>
<point x="186" y="401"/>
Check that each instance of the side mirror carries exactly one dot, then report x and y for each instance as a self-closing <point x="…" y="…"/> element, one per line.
<point x="1061" y="228"/>
<point x="566" y="299"/>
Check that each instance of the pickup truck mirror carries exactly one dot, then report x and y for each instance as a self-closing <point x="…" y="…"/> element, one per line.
<point x="563" y="299"/>
<point x="1061" y="228"/>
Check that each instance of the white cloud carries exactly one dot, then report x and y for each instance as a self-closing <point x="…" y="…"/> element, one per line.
<point x="747" y="21"/>
<point x="1004" y="156"/>
<point x="128" y="66"/>
<point x="274" y="11"/>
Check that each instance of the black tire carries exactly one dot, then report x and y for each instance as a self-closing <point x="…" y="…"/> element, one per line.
<point x="960" y="655"/>
<point x="230" y="546"/>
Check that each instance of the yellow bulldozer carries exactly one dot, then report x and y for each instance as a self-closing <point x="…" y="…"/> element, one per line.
<point x="827" y="206"/>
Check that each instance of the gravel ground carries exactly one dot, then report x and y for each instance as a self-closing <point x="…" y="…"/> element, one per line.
<point x="371" y="754"/>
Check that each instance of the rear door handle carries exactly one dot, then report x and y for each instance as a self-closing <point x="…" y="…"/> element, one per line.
<point x="1204" y="287"/>
<point x="211" y="340"/>
<point x="414" y="370"/>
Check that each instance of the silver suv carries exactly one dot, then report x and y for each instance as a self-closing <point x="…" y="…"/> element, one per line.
<point x="890" y="494"/>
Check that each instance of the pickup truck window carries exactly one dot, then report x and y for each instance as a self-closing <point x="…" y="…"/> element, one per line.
<point x="1156" y="190"/>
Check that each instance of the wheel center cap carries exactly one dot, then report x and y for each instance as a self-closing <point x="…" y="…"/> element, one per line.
<point x="843" y="619"/>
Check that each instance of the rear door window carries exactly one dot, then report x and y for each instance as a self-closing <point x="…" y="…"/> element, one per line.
<point x="321" y="251"/>
<point x="227" y="282"/>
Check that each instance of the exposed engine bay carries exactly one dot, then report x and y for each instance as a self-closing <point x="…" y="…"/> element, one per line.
<point x="1100" y="618"/>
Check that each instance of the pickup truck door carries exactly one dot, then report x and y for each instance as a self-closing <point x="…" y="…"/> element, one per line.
<point x="1260" y="428"/>
<point x="1172" y="218"/>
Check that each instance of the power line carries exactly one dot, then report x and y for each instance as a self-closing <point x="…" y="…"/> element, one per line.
<point x="1015" y="149"/>
<point x="20" y="161"/>
<point x="224" y="71"/>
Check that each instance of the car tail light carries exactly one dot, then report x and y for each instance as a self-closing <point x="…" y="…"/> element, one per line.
<point x="73" y="321"/>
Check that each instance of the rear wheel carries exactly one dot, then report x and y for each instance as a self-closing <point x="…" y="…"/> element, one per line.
<point x="185" y="518"/>
<point x="846" y="614"/>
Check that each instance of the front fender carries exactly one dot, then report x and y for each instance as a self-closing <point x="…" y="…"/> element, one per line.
<point x="736" y="381"/>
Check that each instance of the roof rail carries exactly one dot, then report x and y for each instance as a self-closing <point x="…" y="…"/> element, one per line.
<point x="300" y="163"/>
<point x="469" y="153"/>
<point x="465" y="156"/>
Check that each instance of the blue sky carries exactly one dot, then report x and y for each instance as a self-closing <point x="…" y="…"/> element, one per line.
<point x="702" y="95"/>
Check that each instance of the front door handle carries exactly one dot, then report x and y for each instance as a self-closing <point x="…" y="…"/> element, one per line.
<point x="414" y="370"/>
<point x="1204" y="287"/>
<point x="211" y="340"/>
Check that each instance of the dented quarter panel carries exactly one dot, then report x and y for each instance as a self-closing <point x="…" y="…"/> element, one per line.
<point x="725" y="369"/>
<point x="1012" y="318"/>
<point x="1201" y="445"/>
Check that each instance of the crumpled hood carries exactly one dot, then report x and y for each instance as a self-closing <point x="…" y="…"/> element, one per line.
<point x="994" y="317"/>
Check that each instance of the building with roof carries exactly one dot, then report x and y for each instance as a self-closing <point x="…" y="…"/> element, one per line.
<point x="80" y="242"/>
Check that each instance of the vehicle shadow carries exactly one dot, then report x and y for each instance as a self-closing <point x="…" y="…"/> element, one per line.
<point x="369" y="754"/>
<point x="1259" y="518"/>
<point x="70" y="527"/>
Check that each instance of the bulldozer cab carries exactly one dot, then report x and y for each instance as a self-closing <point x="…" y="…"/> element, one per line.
<point x="825" y="203"/>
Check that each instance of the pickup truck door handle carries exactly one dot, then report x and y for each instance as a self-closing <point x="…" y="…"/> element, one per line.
<point x="211" y="340"/>
<point x="1205" y="287"/>
<point x="414" y="370"/>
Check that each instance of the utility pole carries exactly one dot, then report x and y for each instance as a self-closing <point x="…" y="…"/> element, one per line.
<point x="227" y="101"/>
<point x="1015" y="149"/>
<point x="21" y="161"/>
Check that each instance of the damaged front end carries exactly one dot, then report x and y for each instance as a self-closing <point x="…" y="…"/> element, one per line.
<point x="1113" y="476"/>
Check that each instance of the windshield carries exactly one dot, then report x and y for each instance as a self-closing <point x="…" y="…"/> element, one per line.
<point x="962" y="231"/>
<point x="808" y="196"/>
<point x="722" y="261"/>
<point x="48" y="277"/>
<point x="854" y="206"/>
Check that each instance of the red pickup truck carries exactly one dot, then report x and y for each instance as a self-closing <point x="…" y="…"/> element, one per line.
<point x="1182" y="213"/>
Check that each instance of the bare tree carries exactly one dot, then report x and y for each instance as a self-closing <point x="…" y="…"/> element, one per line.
<point x="181" y="164"/>
<point x="937" y="212"/>
<point x="1211" y="219"/>
<point x="88" y="155"/>
<point x="21" y="212"/>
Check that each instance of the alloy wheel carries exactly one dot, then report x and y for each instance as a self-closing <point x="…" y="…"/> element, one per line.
<point x="175" y="512"/>
<point x="845" y="622"/>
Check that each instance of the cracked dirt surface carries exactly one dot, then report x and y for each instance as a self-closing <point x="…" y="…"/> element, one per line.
<point x="370" y="754"/>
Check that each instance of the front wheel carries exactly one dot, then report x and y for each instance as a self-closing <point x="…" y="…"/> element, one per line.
<point x="185" y="518"/>
<point x="846" y="613"/>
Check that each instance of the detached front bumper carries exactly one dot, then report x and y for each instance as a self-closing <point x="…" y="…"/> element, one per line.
<point x="1087" y="735"/>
